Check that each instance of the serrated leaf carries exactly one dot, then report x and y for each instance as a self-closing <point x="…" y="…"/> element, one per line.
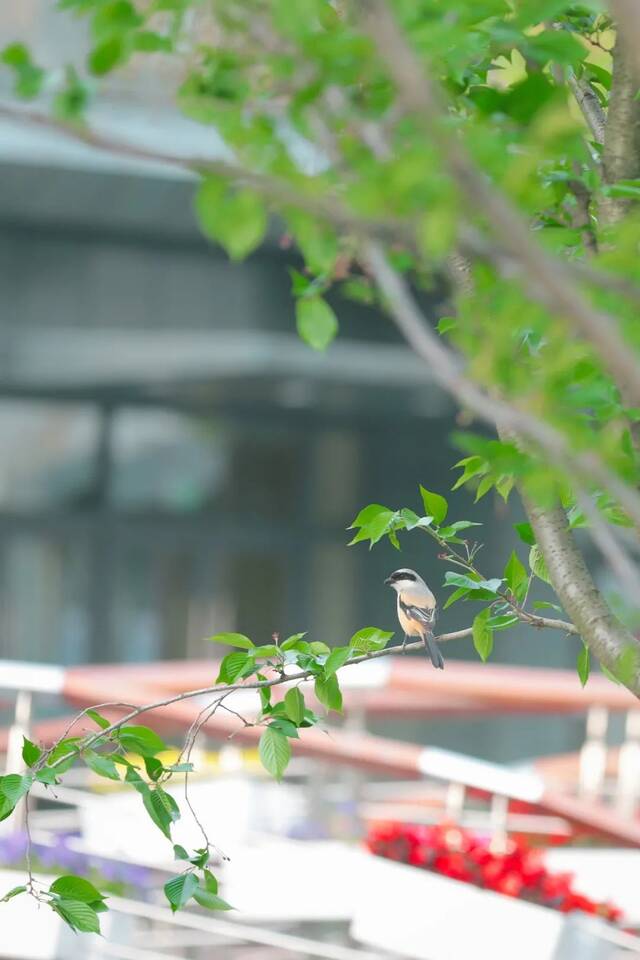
<point x="453" y="579"/>
<point x="434" y="504"/>
<point x="180" y="889"/>
<point x="525" y="532"/>
<point x="14" y="892"/>
<point x="294" y="705"/>
<point x="232" y="666"/>
<point x="583" y="665"/>
<point x="211" y="901"/>
<point x="284" y="725"/>
<point x="275" y="752"/>
<point x="70" y="887"/>
<point x="336" y="659"/>
<point x="14" y="786"/>
<point x="538" y="564"/>
<point x="370" y="638"/>
<point x="103" y="766"/>
<point x="98" y="719"/>
<point x="232" y="640"/>
<point x="483" y="635"/>
<point x="455" y="596"/>
<point x="266" y="650"/>
<point x="162" y="809"/>
<point x="316" y="322"/>
<point x="78" y="915"/>
<point x="30" y="752"/>
<point x="516" y="577"/>
<point x="154" y="767"/>
<point x="236" y="219"/>
<point x="142" y="740"/>
<point x="291" y="641"/>
<point x="328" y="693"/>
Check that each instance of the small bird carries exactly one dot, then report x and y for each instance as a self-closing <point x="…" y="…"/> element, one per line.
<point x="416" y="611"/>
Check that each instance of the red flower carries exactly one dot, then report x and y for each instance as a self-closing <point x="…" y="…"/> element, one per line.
<point x="518" y="871"/>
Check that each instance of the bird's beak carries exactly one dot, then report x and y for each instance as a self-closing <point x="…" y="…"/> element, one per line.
<point x="389" y="581"/>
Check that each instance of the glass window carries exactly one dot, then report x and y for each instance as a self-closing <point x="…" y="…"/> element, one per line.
<point x="48" y="454"/>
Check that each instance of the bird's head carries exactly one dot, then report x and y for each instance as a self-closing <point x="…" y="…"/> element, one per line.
<point x="401" y="579"/>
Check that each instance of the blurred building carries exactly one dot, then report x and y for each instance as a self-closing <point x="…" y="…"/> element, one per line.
<point x="173" y="460"/>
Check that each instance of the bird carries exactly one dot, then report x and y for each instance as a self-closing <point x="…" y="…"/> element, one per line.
<point x="416" y="610"/>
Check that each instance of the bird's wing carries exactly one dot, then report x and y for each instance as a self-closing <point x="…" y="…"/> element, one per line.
<point x="425" y="615"/>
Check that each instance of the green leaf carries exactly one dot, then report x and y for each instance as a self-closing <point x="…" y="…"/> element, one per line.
<point x="154" y="768"/>
<point x="336" y="659"/>
<point x="233" y="640"/>
<point x="77" y="914"/>
<point x="435" y="505"/>
<point x="370" y="638"/>
<point x="291" y="642"/>
<point x="266" y="650"/>
<point x="162" y="809"/>
<point x="70" y="887"/>
<point x="211" y="901"/>
<point x="316" y="322"/>
<point x="449" y="532"/>
<point x="102" y="765"/>
<point x="106" y="56"/>
<point x="538" y="564"/>
<point x="546" y="605"/>
<point x="369" y="513"/>
<point x="180" y="889"/>
<point x="453" y="579"/>
<point x="583" y="665"/>
<point x="557" y="45"/>
<point x="483" y="635"/>
<point x="328" y="693"/>
<point x="516" y="577"/>
<point x="609" y="675"/>
<point x="14" y="892"/>
<point x="525" y="533"/>
<point x="235" y="219"/>
<point x="318" y="243"/>
<point x="502" y="622"/>
<point x="142" y="740"/>
<point x="232" y="666"/>
<point x="294" y="705"/>
<point x="98" y="719"/>
<point x="179" y="852"/>
<point x="455" y="596"/>
<point x="284" y="725"/>
<point x="30" y="752"/>
<point x="445" y="324"/>
<point x="319" y="649"/>
<point x="376" y="528"/>
<point x="14" y="787"/>
<point x="275" y="752"/>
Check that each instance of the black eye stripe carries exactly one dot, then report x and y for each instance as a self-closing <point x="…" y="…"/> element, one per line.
<point x="402" y="575"/>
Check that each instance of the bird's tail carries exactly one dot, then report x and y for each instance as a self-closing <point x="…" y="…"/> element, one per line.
<point x="433" y="650"/>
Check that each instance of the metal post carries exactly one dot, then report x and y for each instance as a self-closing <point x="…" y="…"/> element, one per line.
<point x="628" y="785"/>
<point x="593" y="756"/>
<point x="14" y="763"/>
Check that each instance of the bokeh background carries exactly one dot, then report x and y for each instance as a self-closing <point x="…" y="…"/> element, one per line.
<point x="174" y="461"/>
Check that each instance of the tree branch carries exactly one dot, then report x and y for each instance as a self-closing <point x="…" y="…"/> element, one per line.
<point x="549" y="623"/>
<point x="621" y="153"/>
<point x="605" y="636"/>
<point x="548" y="276"/>
<point x="589" y="105"/>
<point x="283" y="193"/>
<point x="627" y="16"/>
<point x="447" y="371"/>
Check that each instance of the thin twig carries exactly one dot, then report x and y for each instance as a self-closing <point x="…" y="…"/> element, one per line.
<point x="327" y="206"/>
<point x="447" y="370"/>
<point x="547" y="277"/>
